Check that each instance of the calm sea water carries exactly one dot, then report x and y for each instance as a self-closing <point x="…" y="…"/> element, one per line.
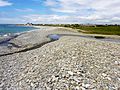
<point x="6" y="29"/>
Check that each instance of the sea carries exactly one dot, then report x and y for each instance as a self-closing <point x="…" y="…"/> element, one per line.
<point x="10" y="29"/>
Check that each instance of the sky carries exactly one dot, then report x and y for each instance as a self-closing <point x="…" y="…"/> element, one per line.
<point x="60" y="11"/>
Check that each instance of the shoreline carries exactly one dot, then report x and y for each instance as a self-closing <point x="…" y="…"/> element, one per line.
<point x="30" y="39"/>
<point x="111" y="38"/>
<point x="69" y="29"/>
<point x="26" y="40"/>
<point x="18" y="33"/>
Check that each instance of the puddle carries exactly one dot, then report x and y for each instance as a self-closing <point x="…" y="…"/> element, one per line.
<point x="54" y="37"/>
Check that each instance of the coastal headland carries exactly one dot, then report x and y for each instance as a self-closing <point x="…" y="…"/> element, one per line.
<point x="57" y="58"/>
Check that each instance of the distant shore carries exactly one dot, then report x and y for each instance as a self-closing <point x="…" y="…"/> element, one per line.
<point x="105" y="29"/>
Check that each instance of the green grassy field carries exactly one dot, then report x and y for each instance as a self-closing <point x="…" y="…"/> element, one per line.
<point x="98" y="29"/>
<point x="109" y="30"/>
<point x="94" y="29"/>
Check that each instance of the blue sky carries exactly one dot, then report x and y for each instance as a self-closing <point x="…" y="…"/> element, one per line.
<point x="60" y="11"/>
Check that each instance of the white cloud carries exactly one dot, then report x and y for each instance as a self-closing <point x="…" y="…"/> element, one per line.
<point x="78" y="5"/>
<point x="45" y="18"/>
<point x="25" y="10"/>
<point x="75" y="11"/>
<point x="61" y="19"/>
<point x="70" y="5"/>
<point x="101" y="11"/>
<point x="65" y="19"/>
<point x="4" y="3"/>
<point x="50" y="3"/>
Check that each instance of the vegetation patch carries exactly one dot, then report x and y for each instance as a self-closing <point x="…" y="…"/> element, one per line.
<point x="91" y="29"/>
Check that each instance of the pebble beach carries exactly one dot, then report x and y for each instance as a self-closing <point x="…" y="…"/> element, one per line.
<point x="70" y="63"/>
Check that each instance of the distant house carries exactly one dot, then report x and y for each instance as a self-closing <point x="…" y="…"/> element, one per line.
<point x="29" y="24"/>
<point x="91" y="25"/>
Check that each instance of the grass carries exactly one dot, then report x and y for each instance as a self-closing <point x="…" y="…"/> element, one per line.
<point x="93" y="29"/>
<point x="109" y="30"/>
